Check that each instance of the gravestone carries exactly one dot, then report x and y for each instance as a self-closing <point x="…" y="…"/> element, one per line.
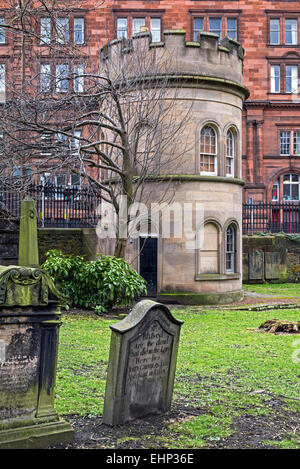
<point x="142" y="363"/>
<point x="29" y="324"/>
<point x="272" y="265"/>
<point x="256" y="265"/>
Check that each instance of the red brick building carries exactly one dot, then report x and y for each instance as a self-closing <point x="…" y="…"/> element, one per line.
<point x="270" y="33"/>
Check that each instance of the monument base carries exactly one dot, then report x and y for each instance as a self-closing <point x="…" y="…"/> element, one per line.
<point x="191" y="298"/>
<point x="36" y="436"/>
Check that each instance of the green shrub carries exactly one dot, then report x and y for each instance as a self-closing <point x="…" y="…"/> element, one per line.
<point x="97" y="284"/>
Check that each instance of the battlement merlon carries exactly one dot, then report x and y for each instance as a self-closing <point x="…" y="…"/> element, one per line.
<point x="206" y="59"/>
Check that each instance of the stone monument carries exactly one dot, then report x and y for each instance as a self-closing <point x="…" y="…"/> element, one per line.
<point x="142" y="362"/>
<point x="29" y="324"/>
<point x="28" y="240"/>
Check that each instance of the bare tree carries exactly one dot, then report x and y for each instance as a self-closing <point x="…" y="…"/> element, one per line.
<point x="114" y="121"/>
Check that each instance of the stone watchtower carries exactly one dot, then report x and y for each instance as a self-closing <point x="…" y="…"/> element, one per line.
<point x="201" y="265"/>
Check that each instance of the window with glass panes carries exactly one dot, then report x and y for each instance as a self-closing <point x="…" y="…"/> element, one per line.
<point x="78" y="30"/>
<point x="290" y="142"/>
<point x="208" y="150"/>
<point x="2" y="78"/>
<point x="198" y="26"/>
<point x="121" y="28"/>
<point x="215" y="26"/>
<point x="275" y="191"/>
<point x="2" y="31"/>
<point x="155" y="28"/>
<point x="62" y="78"/>
<point x="232" y="28"/>
<point x="75" y="181"/>
<point x="221" y="25"/>
<point x="60" y="182"/>
<point x="291" y="31"/>
<point x="127" y="26"/>
<point x="291" y="184"/>
<point x="137" y="24"/>
<point x="291" y="78"/>
<point x="75" y="141"/>
<point x="275" y="79"/>
<point x="78" y="78"/>
<point x="45" y="78"/>
<point x="230" y="249"/>
<point x="285" y="142"/>
<point x="62" y="30"/>
<point x="45" y="31"/>
<point x="274" y="31"/>
<point x="230" y="153"/>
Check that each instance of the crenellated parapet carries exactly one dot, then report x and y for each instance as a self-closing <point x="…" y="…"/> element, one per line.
<point x="205" y="60"/>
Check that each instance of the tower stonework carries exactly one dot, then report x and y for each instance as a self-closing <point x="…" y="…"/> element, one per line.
<point x="202" y="264"/>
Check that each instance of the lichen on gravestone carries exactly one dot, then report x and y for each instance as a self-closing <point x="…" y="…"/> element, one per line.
<point x="28" y="236"/>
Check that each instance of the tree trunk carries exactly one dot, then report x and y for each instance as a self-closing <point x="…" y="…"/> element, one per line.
<point x="120" y="248"/>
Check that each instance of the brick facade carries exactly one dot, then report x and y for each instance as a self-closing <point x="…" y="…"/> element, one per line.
<point x="266" y="115"/>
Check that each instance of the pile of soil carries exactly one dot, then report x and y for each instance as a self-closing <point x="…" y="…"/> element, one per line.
<point x="278" y="326"/>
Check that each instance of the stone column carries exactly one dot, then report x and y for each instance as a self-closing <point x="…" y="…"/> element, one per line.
<point x="28" y="239"/>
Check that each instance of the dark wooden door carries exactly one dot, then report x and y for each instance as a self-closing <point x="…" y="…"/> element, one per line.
<point x="148" y="263"/>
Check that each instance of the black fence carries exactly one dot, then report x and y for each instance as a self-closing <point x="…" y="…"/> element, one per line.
<point x="57" y="207"/>
<point x="272" y="217"/>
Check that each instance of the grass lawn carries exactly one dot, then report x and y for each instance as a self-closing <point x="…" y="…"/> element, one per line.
<point x="281" y="290"/>
<point x="234" y="387"/>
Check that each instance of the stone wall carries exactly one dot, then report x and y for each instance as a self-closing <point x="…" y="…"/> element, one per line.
<point x="271" y="258"/>
<point x="74" y="241"/>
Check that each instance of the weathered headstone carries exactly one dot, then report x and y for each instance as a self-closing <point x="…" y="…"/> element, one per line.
<point x="272" y="265"/>
<point x="142" y="363"/>
<point x="28" y="237"/>
<point x="256" y="265"/>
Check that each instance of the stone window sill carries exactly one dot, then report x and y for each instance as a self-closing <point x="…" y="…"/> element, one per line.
<point x="218" y="277"/>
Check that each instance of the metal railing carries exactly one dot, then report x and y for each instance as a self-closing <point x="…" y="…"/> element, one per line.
<point x="57" y="206"/>
<point x="271" y="217"/>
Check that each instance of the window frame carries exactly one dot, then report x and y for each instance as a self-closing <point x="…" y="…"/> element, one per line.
<point x="231" y="157"/>
<point x="3" y="81"/>
<point x="75" y="18"/>
<point x="215" y="155"/>
<point x="292" y="142"/>
<point x="53" y="32"/>
<point x="43" y="75"/>
<point x="2" y="31"/>
<point x="292" y="88"/>
<point x="223" y="15"/>
<point x="273" y="77"/>
<point x="279" y="32"/>
<point x="78" y="78"/>
<point x="59" y="81"/>
<point x="295" y="20"/>
<point x="282" y="17"/>
<point x="232" y="254"/>
<point x="148" y="15"/>
<point x="291" y="184"/>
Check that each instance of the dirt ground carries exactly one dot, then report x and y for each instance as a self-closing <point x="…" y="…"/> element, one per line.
<point x="249" y="432"/>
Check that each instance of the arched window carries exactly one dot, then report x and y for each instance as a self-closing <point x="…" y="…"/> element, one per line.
<point x="230" y="153"/>
<point x="230" y="249"/>
<point x="208" y="150"/>
<point x="209" y="253"/>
